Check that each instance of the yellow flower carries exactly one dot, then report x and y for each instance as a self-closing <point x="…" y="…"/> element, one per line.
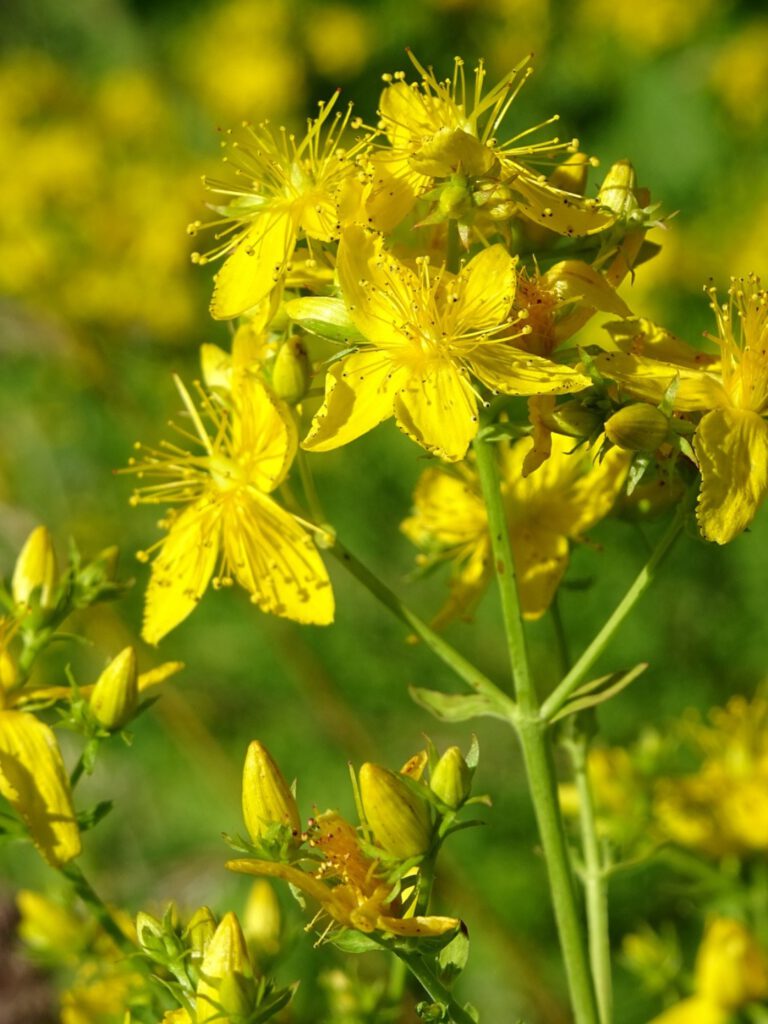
<point x="731" y="968"/>
<point x="693" y="1011"/>
<point x="228" y="517"/>
<point x="731" y="440"/>
<point x="349" y="885"/>
<point x="440" y="128"/>
<point x="283" y="191"/>
<point x="557" y="503"/>
<point x="428" y="332"/>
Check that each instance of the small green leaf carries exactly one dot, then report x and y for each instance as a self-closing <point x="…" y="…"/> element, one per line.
<point x="457" y="707"/>
<point x="599" y="690"/>
<point x="354" y="942"/>
<point x="452" y="959"/>
<point x="324" y="316"/>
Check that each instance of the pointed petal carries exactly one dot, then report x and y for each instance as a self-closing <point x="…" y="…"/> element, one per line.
<point x="438" y="409"/>
<point x="359" y="394"/>
<point x="414" y="927"/>
<point x="183" y="568"/>
<point x="255" y="266"/>
<point x="541" y="436"/>
<point x="264" y="432"/>
<point x="732" y="448"/>
<point x="34" y="781"/>
<point x="274" y="559"/>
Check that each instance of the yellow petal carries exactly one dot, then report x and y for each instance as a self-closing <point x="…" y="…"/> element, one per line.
<point x="182" y="570"/>
<point x="254" y="268"/>
<point x="541" y="558"/>
<point x="649" y="379"/>
<point x="359" y="394"/>
<point x="416" y="926"/>
<point x="378" y="289"/>
<point x="505" y="368"/>
<point x="732" y="448"/>
<point x="576" y="281"/>
<point x="263" y="432"/>
<point x="437" y="408"/>
<point x="693" y="1011"/>
<point x="485" y="289"/>
<point x="216" y="367"/>
<point x="563" y="212"/>
<point x="467" y="584"/>
<point x="541" y="436"/>
<point x="34" y="781"/>
<point x="395" y="187"/>
<point x="275" y="560"/>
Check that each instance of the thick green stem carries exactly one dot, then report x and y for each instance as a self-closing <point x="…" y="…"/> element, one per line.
<point x="74" y="874"/>
<point x="537" y="751"/>
<point x="447" y="654"/>
<point x="645" y="577"/>
<point x="595" y="879"/>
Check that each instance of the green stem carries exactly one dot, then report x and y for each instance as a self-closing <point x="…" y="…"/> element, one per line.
<point x="525" y="691"/>
<point x="434" y="988"/>
<point x="645" y="577"/>
<point x="77" y="772"/>
<point x="74" y="874"/>
<point x="463" y="668"/>
<point x="308" y="486"/>
<point x="595" y="881"/>
<point x="537" y="751"/>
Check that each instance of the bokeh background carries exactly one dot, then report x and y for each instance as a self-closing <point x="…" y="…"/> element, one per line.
<point x="109" y="111"/>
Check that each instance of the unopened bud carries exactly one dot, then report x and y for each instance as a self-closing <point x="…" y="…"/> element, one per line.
<point x="618" y="190"/>
<point x="150" y="933"/>
<point x="9" y="672"/>
<point x="451" y="779"/>
<point x="200" y="931"/>
<point x="637" y="428"/>
<point x="225" y="989"/>
<point x="291" y="371"/>
<point x="116" y="693"/>
<point x="399" y="818"/>
<point x="571" y="419"/>
<point x="34" y="574"/>
<point x="267" y="800"/>
<point x="455" y="198"/>
<point x="261" y="919"/>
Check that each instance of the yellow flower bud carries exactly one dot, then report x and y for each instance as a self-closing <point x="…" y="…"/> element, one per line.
<point x="267" y="800"/>
<point x="451" y="779"/>
<point x="291" y="371"/>
<point x="200" y="932"/>
<point x="637" y="428"/>
<point x="617" y="191"/>
<point x="261" y="920"/>
<point x="571" y="419"/>
<point x="399" y="819"/>
<point x="731" y="968"/>
<point x="35" y="570"/>
<point x="225" y="989"/>
<point x="116" y="693"/>
<point x="9" y="673"/>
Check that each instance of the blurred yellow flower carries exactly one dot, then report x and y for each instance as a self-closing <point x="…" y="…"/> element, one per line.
<point x="740" y="75"/>
<point x="545" y="510"/>
<point x="228" y="518"/>
<point x="339" y="42"/>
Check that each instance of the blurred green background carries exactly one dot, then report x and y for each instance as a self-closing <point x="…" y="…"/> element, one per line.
<point x="108" y="118"/>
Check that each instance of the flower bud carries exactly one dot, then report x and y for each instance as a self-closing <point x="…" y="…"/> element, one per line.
<point x="35" y="570"/>
<point x="116" y="693"/>
<point x="291" y="371"/>
<point x="617" y="191"/>
<point x="267" y="800"/>
<point x="451" y="780"/>
<point x="150" y="933"/>
<point x="455" y="198"/>
<point x="9" y="673"/>
<point x="637" y="428"/>
<point x="200" y="931"/>
<point x="571" y="419"/>
<point x="399" y="819"/>
<point x="225" y="989"/>
<point x="261" y="920"/>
